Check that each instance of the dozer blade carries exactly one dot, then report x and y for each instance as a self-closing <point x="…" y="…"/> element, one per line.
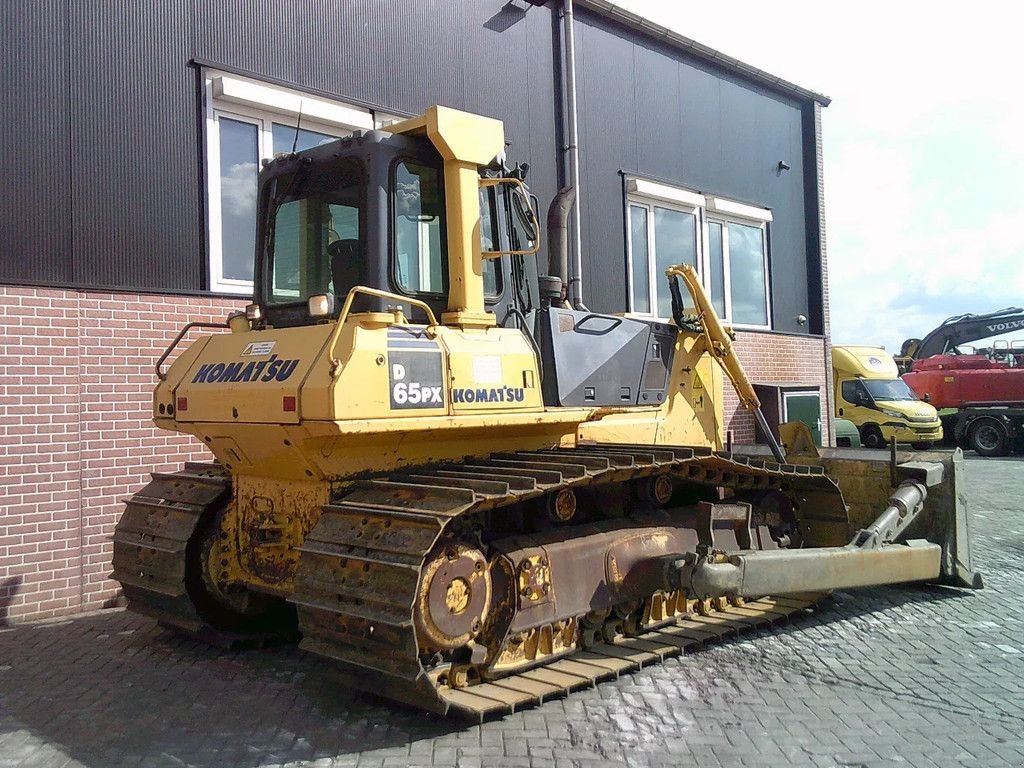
<point x="867" y="478"/>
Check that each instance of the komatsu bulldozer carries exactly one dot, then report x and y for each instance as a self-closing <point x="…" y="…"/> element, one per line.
<point x="465" y="493"/>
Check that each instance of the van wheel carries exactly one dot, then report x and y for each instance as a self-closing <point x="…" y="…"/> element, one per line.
<point x="922" y="446"/>
<point x="987" y="436"/>
<point x="871" y="436"/>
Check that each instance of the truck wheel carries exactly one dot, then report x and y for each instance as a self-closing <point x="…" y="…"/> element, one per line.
<point x="987" y="436"/>
<point x="871" y="436"/>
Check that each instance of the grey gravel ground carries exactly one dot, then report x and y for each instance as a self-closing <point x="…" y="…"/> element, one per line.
<point x="926" y="676"/>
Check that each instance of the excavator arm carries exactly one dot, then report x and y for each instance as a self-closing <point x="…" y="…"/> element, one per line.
<point x="961" y="329"/>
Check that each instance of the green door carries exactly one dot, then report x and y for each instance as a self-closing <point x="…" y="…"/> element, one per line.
<point x="805" y="407"/>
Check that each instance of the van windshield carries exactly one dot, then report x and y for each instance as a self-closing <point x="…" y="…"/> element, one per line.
<point x="893" y="389"/>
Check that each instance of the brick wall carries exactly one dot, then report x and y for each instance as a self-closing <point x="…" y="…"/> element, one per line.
<point x="775" y="358"/>
<point x="76" y="380"/>
<point x="76" y="377"/>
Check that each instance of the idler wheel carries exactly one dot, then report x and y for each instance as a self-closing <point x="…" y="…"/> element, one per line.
<point x="561" y="506"/>
<point x="656" y="490"/>
<point x="453" y="599"/>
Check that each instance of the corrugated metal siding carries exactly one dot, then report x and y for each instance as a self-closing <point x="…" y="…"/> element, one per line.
<point x="397" y="54"/>
<point x="133" y="147"/>
<point x="120" y="132"/>
<point x="608" y="136"/>
<point x="35" y="227"/>
<point x="114" y="161"/>
<point x="659" y="104"/>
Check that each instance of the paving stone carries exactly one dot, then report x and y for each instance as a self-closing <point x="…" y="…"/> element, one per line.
<point x="917" y="676"/>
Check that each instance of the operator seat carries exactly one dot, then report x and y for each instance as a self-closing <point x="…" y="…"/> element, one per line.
<point x="347" y="266"/>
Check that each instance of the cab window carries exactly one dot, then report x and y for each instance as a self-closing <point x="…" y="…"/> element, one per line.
<point x="854" y="392"/>
<point x="316" y="244"/>
<point x="420" y="255"/>
<point x="489" y="242"/>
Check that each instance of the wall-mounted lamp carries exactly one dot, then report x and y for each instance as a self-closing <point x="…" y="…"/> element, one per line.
<point x="801" y="319"/>
<point x="782" y="166"/>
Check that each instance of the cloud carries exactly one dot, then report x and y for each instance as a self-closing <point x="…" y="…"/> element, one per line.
<point x="924" y="148"/>
<point x="238" y="190"/>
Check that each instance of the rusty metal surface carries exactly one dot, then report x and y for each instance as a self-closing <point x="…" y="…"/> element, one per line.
<point x="359" y="585"/>
<point x="151" y="540"/>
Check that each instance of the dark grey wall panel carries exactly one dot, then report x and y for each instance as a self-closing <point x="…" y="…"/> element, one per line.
<point x="654" y="111"/>
<point x="607" y="133"/>
<point x="401" y="55"/>
<point x="105" y="186"/>
<point x="659" y="134"/>
<point x="35" y="225"/>
<point x="133" y="147"/>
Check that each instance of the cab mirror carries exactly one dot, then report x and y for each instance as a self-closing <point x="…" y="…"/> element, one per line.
<point x="522" y="235"/>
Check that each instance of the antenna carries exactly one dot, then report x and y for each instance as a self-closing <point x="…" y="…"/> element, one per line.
<point x="298" y="126"/>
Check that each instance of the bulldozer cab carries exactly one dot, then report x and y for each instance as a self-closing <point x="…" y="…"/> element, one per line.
<point x="392" y="211"/>
<point x="371" y="210"/>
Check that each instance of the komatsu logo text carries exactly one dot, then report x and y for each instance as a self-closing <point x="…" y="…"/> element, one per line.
<point x="489" y="395"/>
<point x="273" y="369"/>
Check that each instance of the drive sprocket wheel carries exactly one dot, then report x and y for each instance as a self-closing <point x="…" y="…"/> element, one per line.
<point x="454" y="597"/>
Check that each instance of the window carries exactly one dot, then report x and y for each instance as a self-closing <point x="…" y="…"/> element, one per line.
<point x="421" y="263"/>
<point x="317" y="244"/>
<point x="489" y="241"/>
<point x="854" y="392"/>
<point x="725" y="241"/>
<point x="247" y="122"/>
<point x="420" y="250"/>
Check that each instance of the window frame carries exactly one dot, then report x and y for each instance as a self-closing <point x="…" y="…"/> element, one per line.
<point x="393" y="230"/>
<point x="706" y="209"/>
<point x="725" y="221"/>
<point x="653" y="281"/>
<point x="251" y="101"/>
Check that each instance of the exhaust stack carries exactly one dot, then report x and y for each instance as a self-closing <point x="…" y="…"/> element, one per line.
<point x="558" y="237"/>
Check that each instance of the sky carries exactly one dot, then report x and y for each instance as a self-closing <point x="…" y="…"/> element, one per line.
<point x="923" y="140"/>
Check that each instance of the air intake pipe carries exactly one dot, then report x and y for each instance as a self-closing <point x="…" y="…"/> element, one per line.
<point x="558" y="237"/>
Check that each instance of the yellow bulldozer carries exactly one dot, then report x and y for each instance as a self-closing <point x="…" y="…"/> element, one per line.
<point x="466" y="493"/>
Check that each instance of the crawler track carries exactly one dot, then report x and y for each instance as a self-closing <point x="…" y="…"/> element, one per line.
<point x="360" y="568"/>
<point x="151" y="544"/>
<point x="361" y="565"/>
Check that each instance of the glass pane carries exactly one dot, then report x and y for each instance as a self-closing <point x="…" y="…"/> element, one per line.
<point x="717" y="267"/>
<point x="638" y="246"/>
<point x="489" y="241"/>
<point x="239" y="167"/>
<point x="491" y="278"/>
<point x="747" y="279"/>
<point x="488" y="235"/>
<point x="420" y="259"/>
<point x="284" y="138"/>
<point x="317" y="246"/>
<point x="675" y="242"/>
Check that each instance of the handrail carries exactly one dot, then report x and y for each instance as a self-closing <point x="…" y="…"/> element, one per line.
<point x="343" y="316"/>
<point x="162" y="375"/>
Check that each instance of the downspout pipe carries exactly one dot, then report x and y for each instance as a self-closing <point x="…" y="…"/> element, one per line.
<point x="558" y="236"/>
<point x="575" y="283"/>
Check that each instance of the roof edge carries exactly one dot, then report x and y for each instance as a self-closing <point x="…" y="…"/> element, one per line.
<point x="700" y="51"/>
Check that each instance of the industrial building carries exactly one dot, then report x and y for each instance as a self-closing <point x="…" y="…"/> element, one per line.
<point x="133" y="136"/>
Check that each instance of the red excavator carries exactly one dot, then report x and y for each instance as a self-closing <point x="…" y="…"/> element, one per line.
<point x="980" y="390"/>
